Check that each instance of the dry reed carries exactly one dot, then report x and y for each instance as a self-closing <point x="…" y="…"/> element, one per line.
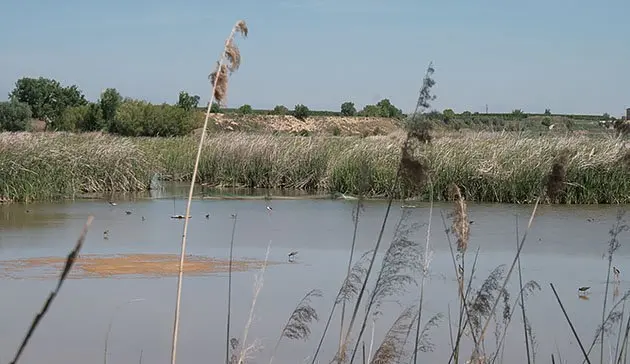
<point x="219" y="91"/>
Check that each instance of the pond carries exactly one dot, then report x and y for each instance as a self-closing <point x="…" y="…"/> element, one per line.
<point x="127" y="276"/>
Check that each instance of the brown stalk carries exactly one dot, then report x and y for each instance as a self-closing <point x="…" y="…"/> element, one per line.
<point x="219" y="80"/>
<point x="72" y="257"/>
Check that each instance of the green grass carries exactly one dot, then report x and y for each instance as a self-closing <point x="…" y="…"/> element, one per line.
<point x="489" y="167"/>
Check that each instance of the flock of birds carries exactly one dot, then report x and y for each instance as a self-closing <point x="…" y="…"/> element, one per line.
<point x="292" y="254"/>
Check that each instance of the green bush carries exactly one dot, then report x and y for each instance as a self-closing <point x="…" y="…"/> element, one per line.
<point x="14" y="116"/>
<point x="348" y="109"/>
<point x="245" y="109"/>
<point x="301" y="112"/>
<point x="280" y="110"/>
<point x="140" y="118"/>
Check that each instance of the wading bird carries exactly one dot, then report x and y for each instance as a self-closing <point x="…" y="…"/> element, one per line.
<point x="292" y="256"/>
<point x="616" y="272"/>
<point x="583" y="290"/>
<point x="112" y="203"/>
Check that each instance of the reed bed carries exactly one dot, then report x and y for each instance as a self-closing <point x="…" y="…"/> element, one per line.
<point x="62" y="165"/>
<point x="488" y="167"/>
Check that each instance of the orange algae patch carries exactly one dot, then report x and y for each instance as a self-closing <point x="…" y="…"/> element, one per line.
<point x="145" y="265"/>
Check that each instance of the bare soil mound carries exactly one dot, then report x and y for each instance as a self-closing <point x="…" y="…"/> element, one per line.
<point x="339" y="125"/>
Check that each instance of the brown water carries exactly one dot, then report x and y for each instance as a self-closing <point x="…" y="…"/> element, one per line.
<point x="565" y="247"/>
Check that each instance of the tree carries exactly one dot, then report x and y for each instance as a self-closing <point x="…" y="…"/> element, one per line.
<point x="388" y="110"/>
<point x="606" y="116"/>
<point x="245" y="109"/>
<point x="371" y="111"/>
<point x="215" y="108"/>
<point x="14" y="115"/>
<point x="449" y="115"/>
<point x="348" y="109"/>
<point x="301" y="112"/>
<point x="187" y="102"/>
<point x="46" y="97"/>
<point x="109" y="103"/>
<point x="518" y="114"/>
<point x="548" y="112"/>
<point x="280" y="110"/>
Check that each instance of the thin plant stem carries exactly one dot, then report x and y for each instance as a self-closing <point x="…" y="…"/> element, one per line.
<point x="111" y="322"/>
<point x="509" y="273"/>
<point x="229" y="298"/>
<point x="425" y="272"/>
<point x="577" y="338"/>
<point x="623" y="311"/>
<point x="70" y="260"/>
<point x="354" y="239"/>
<point x="355" y="312"/>
<point x="520" y="286"/>
<point x="189" y="202"/>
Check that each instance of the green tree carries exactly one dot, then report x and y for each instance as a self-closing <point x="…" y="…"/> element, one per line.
<point x="140" y="118"/>
<point x="518" y="114"/>
<point x="301" y="112"/>
<point x="388" y="110"/>
<point x="215" y="108"/>
<point x="548" y="112"/>
<point x="245" y="110"/>
<point x="371" y="111"/>
<point x="109" y="103"/>
<point x="449" y="115"/>
<point x="46" y="97"/>
<point x="348" y="109"/>
<point x="280" y="110"/>
<point x="14" y="115"/>
<point x="187" y="102"/>
<point x="606" y="116"/>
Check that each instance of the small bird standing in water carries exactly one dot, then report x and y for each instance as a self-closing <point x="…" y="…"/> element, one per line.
<point x="616" y="272"/>
<point x="583" y="290"/>
<point x="128" y="212"/>
<point x="207" y="216"/>
<point x="106" y="234"/>
<point x="292" y="256"/>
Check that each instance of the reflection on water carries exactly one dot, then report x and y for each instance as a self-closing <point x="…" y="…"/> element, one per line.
<point x="564" y="247"/>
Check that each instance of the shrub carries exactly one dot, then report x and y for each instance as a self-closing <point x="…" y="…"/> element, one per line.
<point x="280" y="110"/>
<point x="301" y="112"/>
<point x="245" y="110"/>
<point x="215" y="108"/>
<point x="348" y="109"/>
<point x="14" y="116"/>
<point x="140" y="118"/>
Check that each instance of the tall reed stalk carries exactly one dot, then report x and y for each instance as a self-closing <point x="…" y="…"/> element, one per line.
<point x="219" y="78"/>
<point x="229" y="294"/>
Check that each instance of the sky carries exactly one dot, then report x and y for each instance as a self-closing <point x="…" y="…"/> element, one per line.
<point x="571" y="56"/>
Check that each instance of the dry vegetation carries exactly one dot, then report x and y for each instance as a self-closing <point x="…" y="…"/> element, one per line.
<point x="355" y="125"/>
<point x="489" y="167"/>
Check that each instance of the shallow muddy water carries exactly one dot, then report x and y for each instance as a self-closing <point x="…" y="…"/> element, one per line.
<point x="134" y="262"/>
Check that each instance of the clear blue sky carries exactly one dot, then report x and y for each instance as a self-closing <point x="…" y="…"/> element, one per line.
<point x="572" y="56"/>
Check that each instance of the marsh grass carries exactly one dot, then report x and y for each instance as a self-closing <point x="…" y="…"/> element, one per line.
<point x="488" y="167"/>
<point x="59" y="165"/>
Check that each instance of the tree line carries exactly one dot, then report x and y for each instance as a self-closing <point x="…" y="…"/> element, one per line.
<point x="65" y="108"/>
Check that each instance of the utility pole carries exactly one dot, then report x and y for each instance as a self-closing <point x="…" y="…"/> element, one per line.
<point x="486" y="108"/>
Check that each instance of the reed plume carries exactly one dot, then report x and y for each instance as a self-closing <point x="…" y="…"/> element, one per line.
<point x="392" y="348"/>
<point x="397" y="271"/>
<point x="349" y="290"/>
<point x="557" y="178"/>
<point x="461" y="223"/>
<point x="219" y="80"/>
<point x="298" y="327"/>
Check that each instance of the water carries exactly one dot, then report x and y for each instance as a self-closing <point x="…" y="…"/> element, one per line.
<point x="565" y="246"/>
